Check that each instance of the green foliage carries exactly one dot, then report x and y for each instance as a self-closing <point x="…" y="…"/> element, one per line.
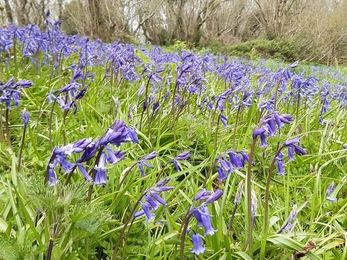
<point x="278" y="49"/>
<point x="34" y="215"/>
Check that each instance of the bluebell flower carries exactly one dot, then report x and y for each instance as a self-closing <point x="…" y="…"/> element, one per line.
<point x="52" y="177"/>
<point x="223" y="119"/>
<point x="25" y="116"/>
<point x="84" y="172"/>
<point x="263" y="142"/>
<point x="292" y="141"/>
<point x="151" y="198"/>
<point x="197" y="243"/>
<point x="235" y="160"/>
<point x="238" y="193"/>
<point x="89" y="152"/>
<point x="329" y="192"/>
<point x="152" y="202"/>
<point x="202" y="195"/>
<point x="202" y="215"/>
<point x="183" y="156"/>
<point x="114" y="157"/>
<point x="11" y="91"/>
<point x="67" y="166"/>
<point x="258" y="132"/>
<point x="280" y="164"/>
<point x="146" y="210"/>
<point x="143" y="161"/>
<point x="221" y="174"/>
<point x="294" y="148"/>
<point x="214" y="196"/>
<point x="288" y="224"/>
<point x="226" y="165"/>
<point x="271" y="128"/>
<point x="180" y="157"/>
<point x="159" y="199"/>
<point x="100" y="171"/>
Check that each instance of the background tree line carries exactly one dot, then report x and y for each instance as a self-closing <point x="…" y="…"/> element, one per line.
<point x="311" y="30"/>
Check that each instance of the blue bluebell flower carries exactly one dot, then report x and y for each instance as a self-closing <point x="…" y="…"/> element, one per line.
<point x="84" y="172"/>
<point x="114" y="157"/>
<point x="206" y="221"/>
<point x="288" y="224"/>
<point x="151" y="198"/>
<point x="221" y="174"/>
<point x="329" y="192"/>
<point x="100" y="171"/>
<point x="197" y="244"/>
<point x="25" y="116"/>
<point x="180" y="157"/>
<point x="280" y="164"/>
<point x="223" y="119"/>
<point x="202" y="195"/>
<point x="143" y="162"/>
<point x="52" y="177"/>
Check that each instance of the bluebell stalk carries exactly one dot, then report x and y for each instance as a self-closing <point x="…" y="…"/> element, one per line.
<point x="267" y="125"/>
<point x="325" y="101"/>
<point x="237" y="201"/>
<point x="25" y="116"/>
<point x="292" y="145"/>
<point x="201" y="214"/>
<point x="150" y="204"/>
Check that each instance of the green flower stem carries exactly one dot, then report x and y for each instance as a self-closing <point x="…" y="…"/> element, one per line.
<point x="125" y="226"/>
<point x="50" y="125"/>
<point x="7" y="129"/>
<point x="21" y="148"/>
<point x="266" y="207"/>
<point x="249" y="237"/>
<point x="184" y="231"/>
<point x="1" y="130"/>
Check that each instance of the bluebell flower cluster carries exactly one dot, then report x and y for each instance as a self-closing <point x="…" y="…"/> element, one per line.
<point x="293" y="148"/>
<point x="68" y="95"/>
<point x="152" y="200"/>
<point x="11" y="91"/>
<point x="229" y="161"/>
<point x="99" y="149"/>
<point x="268" y="126"/>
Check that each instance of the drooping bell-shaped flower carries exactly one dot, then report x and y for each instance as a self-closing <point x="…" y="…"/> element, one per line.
<point x="197" y="243"/>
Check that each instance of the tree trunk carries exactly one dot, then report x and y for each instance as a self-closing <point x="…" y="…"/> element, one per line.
<point x="8" y="11"/>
